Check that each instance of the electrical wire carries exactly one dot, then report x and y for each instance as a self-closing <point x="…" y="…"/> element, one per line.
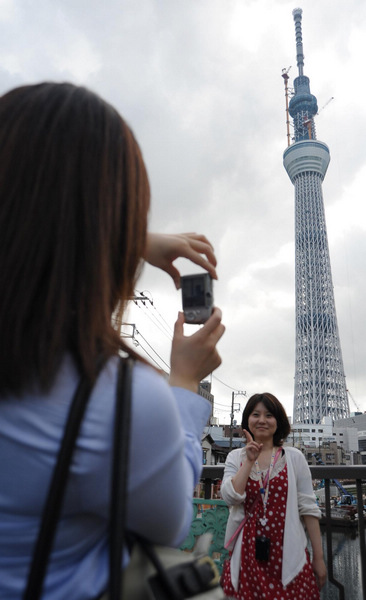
<point x="155" y="321"/>
<point x="149" y="310"/>
<point x="225" y="384"/>
<point x="150" y="346"/>
<point x="150" y="356"/>
<point x="169" y="328"/>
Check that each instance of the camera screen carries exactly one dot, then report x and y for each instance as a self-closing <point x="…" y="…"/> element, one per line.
<point x="193" y="292"/>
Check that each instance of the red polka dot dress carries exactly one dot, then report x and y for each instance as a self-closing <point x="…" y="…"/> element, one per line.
<point x="261" y="580"/>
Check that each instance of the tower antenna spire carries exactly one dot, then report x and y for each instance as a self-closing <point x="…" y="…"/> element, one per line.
<point x="297" y="14"/>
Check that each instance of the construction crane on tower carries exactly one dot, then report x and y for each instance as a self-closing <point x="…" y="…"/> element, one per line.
<point x="308" y="123"/>
<point x="286" y="78"/>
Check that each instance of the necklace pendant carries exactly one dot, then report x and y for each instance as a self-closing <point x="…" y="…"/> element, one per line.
<point x="263" y="521"/>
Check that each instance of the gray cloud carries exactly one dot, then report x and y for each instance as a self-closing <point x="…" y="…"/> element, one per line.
<point x="200" y="83"/>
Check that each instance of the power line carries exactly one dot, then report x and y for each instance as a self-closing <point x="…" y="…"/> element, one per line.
<point x="162" y="325"/>
<point x="225" y="384"/>
<point x="223" y="405"/>
<point x="150" y="346"/>
<point x="169" y="328"/>
<point x="149" y="355"/>
<point x="144" y="301"/>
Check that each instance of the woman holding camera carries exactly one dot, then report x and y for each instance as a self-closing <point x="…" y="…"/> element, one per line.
<point x="269" y="489"/>
<point x="74" y="201"/>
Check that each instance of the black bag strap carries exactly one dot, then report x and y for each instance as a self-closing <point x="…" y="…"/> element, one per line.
<point x="54" y="501"/>
<point x="118" y="507"/>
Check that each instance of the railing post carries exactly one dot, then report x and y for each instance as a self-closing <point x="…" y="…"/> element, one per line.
<point x="207" y="488"/>
<point x="361" y="533"/>
<point x="329" y="541"/>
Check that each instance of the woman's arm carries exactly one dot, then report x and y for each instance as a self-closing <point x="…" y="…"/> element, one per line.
<point x="232" y="465"/>
<point x="166" y="457"/>
<point x="310" y="513"/>
<point x="163" y="249"/>
<point x="313" y="529"/>
<point x="236" y="475"/>
<point x="167" y="453"/>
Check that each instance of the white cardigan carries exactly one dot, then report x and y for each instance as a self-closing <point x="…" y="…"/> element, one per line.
<point x="300" y="501"/>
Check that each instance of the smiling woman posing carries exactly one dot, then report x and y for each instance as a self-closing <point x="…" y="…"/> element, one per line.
<point x="269" y="490"/>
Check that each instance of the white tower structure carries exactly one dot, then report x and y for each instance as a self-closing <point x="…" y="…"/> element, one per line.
<point x="320" y="386"/>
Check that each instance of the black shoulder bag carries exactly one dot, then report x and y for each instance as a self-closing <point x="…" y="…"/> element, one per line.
<point x="154" y="573"/>
<point x="54" y="502"/>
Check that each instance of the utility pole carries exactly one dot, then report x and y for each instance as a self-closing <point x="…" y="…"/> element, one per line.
<point x="239" y="393"/>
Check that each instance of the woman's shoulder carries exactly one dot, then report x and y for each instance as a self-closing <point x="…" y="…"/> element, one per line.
<point x="294" y="453"/>
<point x="143" y="375"/>
<point x="149" y="395"/>
<point x="236" y="455"/>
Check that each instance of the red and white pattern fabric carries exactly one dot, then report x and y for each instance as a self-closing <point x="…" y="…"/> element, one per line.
<point x="261" y="580"/>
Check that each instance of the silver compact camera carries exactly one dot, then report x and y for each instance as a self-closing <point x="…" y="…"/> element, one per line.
<point x="197" y="297"/>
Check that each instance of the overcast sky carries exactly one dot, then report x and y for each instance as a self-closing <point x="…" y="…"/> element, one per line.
<point x="199" y="81"/>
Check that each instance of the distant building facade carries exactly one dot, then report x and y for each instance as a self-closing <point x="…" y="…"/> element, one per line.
<point x="204" y="390"/>
<point x="317" y="435"/>
<point x="356" y="421"/>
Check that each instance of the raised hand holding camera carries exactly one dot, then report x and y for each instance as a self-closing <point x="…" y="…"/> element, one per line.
<point x="194" y="357"/>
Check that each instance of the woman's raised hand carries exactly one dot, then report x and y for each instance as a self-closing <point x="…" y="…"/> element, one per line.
<point x="194" y="357"/>
<point x="163" y="249"/>
<point x="252" y="448"/>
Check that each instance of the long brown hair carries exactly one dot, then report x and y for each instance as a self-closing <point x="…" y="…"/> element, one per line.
<point x="74" y="198"/>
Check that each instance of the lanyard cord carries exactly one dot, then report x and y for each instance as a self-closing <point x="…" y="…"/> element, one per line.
<point x="264" y="487"/>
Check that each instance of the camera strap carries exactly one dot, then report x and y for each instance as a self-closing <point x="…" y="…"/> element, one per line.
<point x="264" y="485"/>
<point x="246" y="517"/>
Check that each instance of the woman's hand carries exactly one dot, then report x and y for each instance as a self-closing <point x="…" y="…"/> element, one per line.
<point x="320" y="571"/>
<point x="252" y="448"/>
<point x="163" y="249"/>
<point x="194" y="357"/>
<point x="318" y="564"/>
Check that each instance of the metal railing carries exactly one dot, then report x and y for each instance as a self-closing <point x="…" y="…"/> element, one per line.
<point x="353" y="473"/>
<point x="207" y="521"/>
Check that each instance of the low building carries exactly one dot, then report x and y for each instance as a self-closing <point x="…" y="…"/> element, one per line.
<point x="220" y="446"/>
<point x="318" y="435"/>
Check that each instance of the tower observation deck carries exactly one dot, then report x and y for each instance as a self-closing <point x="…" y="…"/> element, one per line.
<point x="320" y="385"/>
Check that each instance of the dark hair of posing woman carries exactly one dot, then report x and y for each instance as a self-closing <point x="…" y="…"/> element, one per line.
<point x="74" y="187"/>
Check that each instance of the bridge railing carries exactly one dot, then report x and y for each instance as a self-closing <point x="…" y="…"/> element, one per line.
<point x="210" y="515"/>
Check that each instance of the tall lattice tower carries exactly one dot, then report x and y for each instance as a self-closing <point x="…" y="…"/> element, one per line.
<point x="320" y="386"/>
